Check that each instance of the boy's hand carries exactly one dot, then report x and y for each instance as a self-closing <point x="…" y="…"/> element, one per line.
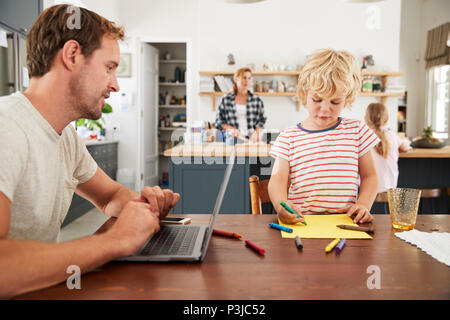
<point x="362" y="213"/>
<point x="287" y="217"/>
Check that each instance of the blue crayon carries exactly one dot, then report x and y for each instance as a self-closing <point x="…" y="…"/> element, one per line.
<point x="340" y="246"/>
<point x="282" y="228"/>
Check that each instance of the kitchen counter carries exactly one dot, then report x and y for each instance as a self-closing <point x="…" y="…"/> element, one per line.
<point x="97" y="142"/>
<point x="443" y="152"/>
<point x="219" y="150"/>
<point x="262" y="150"/>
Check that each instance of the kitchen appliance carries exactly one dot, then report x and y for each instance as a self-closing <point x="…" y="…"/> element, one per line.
<point x="13" y="64"/>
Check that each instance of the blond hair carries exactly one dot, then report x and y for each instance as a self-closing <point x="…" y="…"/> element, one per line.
<point x="376" y="117"/>
<point x="327" y="72"/>
<point x="239" y="74"/>
<point x="51" y="31"/>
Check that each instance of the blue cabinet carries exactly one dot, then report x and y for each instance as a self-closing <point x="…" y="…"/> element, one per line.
<point x="198" y="185"/>
<point x="106" y="156"/>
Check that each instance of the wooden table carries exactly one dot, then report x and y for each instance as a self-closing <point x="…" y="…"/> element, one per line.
<point x="233" y="271"/>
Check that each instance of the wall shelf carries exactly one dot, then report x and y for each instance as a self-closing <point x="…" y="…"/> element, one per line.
<point x="173" y="106"/>
<point x="382" y="74"/>
<point x="172" y="84"/>
<point x="255" y="73"/>
<point x="171" y="61"/>
<point x="171" y="128"/>
<point x="216" y="94"/>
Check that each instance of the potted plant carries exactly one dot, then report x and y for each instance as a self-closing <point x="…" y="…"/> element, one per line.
<point x="94" y="124"/>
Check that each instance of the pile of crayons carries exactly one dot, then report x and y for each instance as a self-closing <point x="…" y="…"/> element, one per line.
<point x="336" y="243"/>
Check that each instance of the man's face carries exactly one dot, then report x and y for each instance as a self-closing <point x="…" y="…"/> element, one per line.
<point x="96" y="78"/>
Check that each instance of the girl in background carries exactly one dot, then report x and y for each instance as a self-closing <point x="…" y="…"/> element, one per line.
<point x="387" y="151"/>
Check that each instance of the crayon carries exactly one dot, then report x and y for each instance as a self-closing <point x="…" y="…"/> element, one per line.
<point x="282" y="228"/>
<point x="332" y="244"/>
<point x="252" y="245"/>
<point x="340" y="246"/>
<point x="227" y="234"/>
<point x="357" y="228"/>
<point x="298" y="243"/>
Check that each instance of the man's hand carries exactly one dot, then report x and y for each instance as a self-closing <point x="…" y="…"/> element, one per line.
<point x="160" y="201"/>
<point x="134" y="226"/>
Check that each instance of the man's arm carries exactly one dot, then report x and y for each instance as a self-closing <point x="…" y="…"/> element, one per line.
<point x="30" y="265"/>
<point x="107" y="195"/>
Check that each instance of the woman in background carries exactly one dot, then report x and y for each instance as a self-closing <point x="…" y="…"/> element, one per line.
<point x="387" y="151"/>
<point x="241" y="112"/>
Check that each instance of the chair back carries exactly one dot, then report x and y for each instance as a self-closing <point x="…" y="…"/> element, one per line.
<point x="259" y="193"/>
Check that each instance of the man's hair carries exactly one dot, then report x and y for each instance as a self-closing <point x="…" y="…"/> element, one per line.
<point x="54" y="27"/>
<point x="240" y="74"/>
<point x="327" y="72"/>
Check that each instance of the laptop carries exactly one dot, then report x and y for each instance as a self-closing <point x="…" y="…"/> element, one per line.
<point x="182" y="242"/>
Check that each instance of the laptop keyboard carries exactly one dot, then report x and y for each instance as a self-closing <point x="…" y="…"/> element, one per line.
<point x="172" y="240"/>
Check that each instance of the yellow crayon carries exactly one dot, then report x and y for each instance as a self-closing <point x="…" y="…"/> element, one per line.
<point x="332" y="244"/>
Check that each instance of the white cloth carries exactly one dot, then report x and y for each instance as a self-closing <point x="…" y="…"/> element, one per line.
<point x="436" y="244"/>
<point x="387" y="168"/>
<point x="241" y="115"/>
<point x="39" y="169"/>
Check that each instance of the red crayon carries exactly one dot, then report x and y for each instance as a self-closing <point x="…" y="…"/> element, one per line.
<point x="226" y="234"/>
<point x="250" y="244"/>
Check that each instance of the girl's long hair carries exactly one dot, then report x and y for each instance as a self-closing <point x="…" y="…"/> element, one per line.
<point x="376" y="118"/>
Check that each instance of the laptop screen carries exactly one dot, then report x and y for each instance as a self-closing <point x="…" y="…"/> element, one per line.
<point x="218" y="205"/>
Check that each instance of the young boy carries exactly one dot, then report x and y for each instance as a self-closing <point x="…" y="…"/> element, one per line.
<point x="319" y="161"/>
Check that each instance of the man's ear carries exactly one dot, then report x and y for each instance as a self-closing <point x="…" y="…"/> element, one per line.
<point x="71" y="54"/>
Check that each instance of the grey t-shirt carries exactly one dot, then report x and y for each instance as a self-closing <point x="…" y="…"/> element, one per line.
<point x="39" y="169"/>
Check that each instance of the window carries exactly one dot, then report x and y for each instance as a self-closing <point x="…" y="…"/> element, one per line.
<point x="439" y="100"/>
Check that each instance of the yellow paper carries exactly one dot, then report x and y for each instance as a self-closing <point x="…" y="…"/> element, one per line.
<point x="324" y="227"/>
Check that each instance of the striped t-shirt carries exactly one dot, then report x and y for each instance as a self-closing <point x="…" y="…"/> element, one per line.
<point x="323" y="164"/>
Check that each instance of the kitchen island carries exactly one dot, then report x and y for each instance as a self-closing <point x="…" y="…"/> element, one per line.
<point x="424" y="168"/>
<point x="196" y="171"/>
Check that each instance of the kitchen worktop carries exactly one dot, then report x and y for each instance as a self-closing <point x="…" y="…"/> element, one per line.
<point x="219" y="150"/>
<point x="263" y="149"/>
<point x="443" y="152"/>
<point x="98" y="142"/>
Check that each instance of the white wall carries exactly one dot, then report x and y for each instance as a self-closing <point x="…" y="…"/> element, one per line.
<point x="284" y="32"/>
<point x="418" y="17"/>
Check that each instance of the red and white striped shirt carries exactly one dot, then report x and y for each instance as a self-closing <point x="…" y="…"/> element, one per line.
<point x="323" y="164"/>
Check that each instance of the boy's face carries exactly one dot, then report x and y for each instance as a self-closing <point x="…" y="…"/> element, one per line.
<point x="323" y="113"/>
<point x="96" y="79"/>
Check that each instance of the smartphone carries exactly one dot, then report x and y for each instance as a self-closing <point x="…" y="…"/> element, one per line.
<point x="174" y="220"/>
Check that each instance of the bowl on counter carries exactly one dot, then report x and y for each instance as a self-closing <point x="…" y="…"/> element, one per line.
<point x="428" y="143"/>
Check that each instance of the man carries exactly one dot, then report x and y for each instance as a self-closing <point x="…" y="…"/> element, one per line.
<point x="43" y="161"/>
